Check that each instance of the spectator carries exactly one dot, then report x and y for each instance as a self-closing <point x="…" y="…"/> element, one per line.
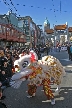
<point x="71" y="52"/>
<point x="42" y="51"/>
<point x="5" y="74"/>
<point x="59" y="47"/>
<point x="10" y="62"/>
<point x="47" y="49"/>
<point x="68" y="49"/>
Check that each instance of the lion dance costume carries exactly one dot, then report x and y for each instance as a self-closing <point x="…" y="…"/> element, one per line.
<point x="38" y="73"/>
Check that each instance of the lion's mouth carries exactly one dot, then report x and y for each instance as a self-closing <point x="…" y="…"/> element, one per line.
<point x="17" y="68"/>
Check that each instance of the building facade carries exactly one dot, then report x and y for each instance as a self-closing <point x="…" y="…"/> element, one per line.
<point x="10" y="33"/>
<point x="30" y="29"/>
<point x="38" y="35"/>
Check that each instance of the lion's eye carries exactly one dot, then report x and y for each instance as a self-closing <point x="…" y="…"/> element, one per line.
<point x="25" y="64"/>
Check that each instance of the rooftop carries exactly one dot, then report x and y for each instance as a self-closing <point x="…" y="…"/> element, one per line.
<point x="26" y="17"/>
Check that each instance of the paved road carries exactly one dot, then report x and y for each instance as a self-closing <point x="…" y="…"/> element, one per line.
<point x="17" y="98"/>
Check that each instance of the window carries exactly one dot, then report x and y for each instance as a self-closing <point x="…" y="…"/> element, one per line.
<point x="31" y="25"/>
<point x="26" y="22"/>
<point x="27" y="32"/>
<point x="27" y="37"/>
<point x="32" y="33"/>
<point x="20" y="23"/>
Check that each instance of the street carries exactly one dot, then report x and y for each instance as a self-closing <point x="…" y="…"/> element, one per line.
<point x="17" y="98"/>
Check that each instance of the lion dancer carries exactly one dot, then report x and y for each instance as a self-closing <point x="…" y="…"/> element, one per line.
<point x="31" y="90"/>
<point x="31" y="86"/>
<point x="46" y="87"/>
<point x="48" y="91"/>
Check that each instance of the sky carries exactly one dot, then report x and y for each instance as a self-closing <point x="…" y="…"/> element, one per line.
<point x="40" y="9"/>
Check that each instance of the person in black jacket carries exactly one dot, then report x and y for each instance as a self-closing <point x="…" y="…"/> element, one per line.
<point x="2" y="58"/>
<point x="6" y="74"/>
<point x="68" y="49"/>
<point x="10" y="64"/>
<point x="47" y="49"/>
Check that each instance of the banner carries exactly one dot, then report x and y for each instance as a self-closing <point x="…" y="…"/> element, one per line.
<point x="60" y="32"/>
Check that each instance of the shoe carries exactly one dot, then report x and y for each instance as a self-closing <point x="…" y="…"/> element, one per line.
<point x="57" y="89"/>
<point x="52" y="101"/>
<point x="29" y="96"/>
<point x="33" y="94"/>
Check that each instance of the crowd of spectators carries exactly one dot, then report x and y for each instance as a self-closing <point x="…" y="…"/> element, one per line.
<point x="7" y="58"/>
